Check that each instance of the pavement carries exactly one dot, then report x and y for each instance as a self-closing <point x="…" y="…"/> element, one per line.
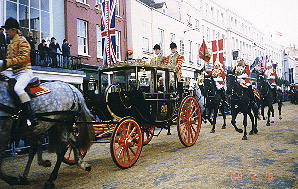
<point x="217" y="160"/>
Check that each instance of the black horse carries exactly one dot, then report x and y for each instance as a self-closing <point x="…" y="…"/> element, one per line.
<point x="267" y="98"/>
<point x="240" y="102"/>
<point x="213" y="102"/>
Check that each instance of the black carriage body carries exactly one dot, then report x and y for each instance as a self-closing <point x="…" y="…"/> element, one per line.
<point x="139" y="93"/>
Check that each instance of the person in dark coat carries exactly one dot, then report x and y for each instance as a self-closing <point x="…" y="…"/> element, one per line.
<point x="32" y="43"/>
<point x="53" y="51"/>
<point x="66" y="53"/>
<point x="2" y="44"/>
<point x="43" y="50"/>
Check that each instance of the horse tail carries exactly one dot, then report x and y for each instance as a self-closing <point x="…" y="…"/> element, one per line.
<point x="86" y="131"/>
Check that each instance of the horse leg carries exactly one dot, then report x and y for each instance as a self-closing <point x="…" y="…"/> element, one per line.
<point x="208" y="117"/>
<point x="41" y="162"/>
<point x="279" y="108"/>
<point x="81" y="164"/>
<point x="222" y="110"/>
<point x="32" y="152"/>
<point x="262" y="111"/>
<point x="268" y="118"/>
<point x="214" y="120"/>
<point x="272" y="110"/>
<point x="233" y="121"/>
<point x="245" y="125"/>
<point x="60" y="154"/>
<point x="253" y="121"/>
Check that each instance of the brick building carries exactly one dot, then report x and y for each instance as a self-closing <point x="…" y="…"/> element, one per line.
<point x="82" y="29"/>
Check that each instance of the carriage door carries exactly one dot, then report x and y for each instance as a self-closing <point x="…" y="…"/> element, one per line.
<point x="163" y="96"/>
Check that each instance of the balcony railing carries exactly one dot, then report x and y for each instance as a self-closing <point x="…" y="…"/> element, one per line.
<point x="50" y="59"/>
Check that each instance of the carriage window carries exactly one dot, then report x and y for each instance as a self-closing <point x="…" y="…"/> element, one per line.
<point x="104" y="81"/>
<point x="161" y="81"/>
<point x="119" y="77"/>
<point x="145" y="79"/>
<point x="172" y="82"/>
<point x="131" y="77"/>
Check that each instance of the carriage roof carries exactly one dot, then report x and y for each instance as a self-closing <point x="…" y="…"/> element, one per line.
<point x="133" y="64"/>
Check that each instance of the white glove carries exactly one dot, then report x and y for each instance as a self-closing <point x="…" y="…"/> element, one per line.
<point x="1" y="63"/>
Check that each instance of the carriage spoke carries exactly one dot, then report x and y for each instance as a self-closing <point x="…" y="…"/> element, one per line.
<point x="128" y="128"/>
<point x="128" y="156"/>
<point x="133" y="130"/>
<point x="70" y="150"/>
<point x="194" y="111"/>
<point x="183" y="128"/>
<point x="191" y="134"/>
<point x="134" y="153"/>
<point x="188" y="130"/>
<point x="121" y="151"/>
<point x="124" y="155"/>
<point x="118" y="147"/>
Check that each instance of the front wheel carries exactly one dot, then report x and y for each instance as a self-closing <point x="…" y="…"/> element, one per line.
<point x="189" y="121"/>
<point x="126" y="143"/>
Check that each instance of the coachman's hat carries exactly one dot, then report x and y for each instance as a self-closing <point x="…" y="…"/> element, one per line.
<point x="173" y="45"/>
<point x="11" y="23"/>
<point x="156" y="47"/>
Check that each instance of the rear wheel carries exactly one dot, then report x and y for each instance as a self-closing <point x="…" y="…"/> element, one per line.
<point x="189" y="121"/>
<point x="126" y="143"/>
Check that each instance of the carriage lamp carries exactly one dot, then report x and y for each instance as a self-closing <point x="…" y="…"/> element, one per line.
<point x="91" y="83"/>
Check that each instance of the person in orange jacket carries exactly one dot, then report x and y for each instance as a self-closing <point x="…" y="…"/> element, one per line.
<point x="18" y="59"/>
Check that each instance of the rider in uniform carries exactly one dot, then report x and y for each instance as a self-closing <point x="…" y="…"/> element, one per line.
<point x="175" y="61"/>
<point x="157" y="59"/>
<point x="242" y="71"/>
<point x="270" y="75"/>
<point x="218" y="74"/>
<point x="18" y="59"/>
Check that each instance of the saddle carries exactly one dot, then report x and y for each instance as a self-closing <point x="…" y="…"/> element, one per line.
<point x="33" y="88"/>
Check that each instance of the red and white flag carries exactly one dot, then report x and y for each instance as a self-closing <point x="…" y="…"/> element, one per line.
<point x="217" y="48"/>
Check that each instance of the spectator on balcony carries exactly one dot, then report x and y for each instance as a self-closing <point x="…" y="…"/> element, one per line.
<point x="54" y="46"/>
<point x="66" y="54"/>
<point x="43" y="50"/>
<point x="32" y="43"/>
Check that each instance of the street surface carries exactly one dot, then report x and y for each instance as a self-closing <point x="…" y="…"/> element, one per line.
<point x="218" y="160"/>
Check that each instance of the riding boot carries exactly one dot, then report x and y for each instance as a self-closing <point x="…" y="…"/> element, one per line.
<point x="30" y="114"/>
<point x="252" y="98"/>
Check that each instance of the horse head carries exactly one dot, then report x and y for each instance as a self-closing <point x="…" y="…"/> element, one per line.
<point x="209" y="85"/>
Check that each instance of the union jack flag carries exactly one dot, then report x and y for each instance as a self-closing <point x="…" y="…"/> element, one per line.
<point x="108" y="31"/>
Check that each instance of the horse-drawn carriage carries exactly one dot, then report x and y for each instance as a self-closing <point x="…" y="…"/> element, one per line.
<point x="133" y="100"/>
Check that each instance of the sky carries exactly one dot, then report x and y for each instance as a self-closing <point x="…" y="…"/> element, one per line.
<point x="269" y="16"/>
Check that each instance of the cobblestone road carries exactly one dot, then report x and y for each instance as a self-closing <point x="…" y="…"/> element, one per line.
<point x="218" y="160"/>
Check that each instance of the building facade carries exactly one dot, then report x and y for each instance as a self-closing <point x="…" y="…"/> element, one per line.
<point x="45" y="18"/>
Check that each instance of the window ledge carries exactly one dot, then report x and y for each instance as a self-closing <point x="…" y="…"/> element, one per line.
<point x="84" y="55"/>
<point x="82" y="4"/>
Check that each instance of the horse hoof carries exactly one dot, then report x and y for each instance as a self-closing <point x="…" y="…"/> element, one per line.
<point x="223" y="127"/>
<point x="212" y="131"/>
<point x="272" y="121"/>
<point x="280" y="117"/>
<point x="45" y="163"/>
<point x="264" y="118"/>
<point x="88" y="169"/>
<point x="251" y="133"/>
<point x="267" y="124"/>
<point x="23" y="181"/>
<point x="49" y="185"/>
<point x="256" y="131"/>
<point x="239" y="130"/>
<point x="244" y="138"/>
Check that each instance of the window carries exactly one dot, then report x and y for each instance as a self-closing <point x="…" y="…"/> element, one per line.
<point x="222" y="18"/>
<point x="190" y="52"/>
<point x="117" y="8"/>
<point x="161" y="40"/>
<point x="172" y="37"/>
<point x="118" y="40"/>
<point x="33" y="15"/>
<point x="208" y="34"/>
<point x="217" y="15"/>
<point x="181" y="47"/>
<point x="82" y="1"/>
<point x="212" y="14"/>
<point x="197" y="23"/>
<point x="146" y="38"/>
<point x="99" y="42"/>
<point x="189" y="20"/>
<point x="82" y="27"/>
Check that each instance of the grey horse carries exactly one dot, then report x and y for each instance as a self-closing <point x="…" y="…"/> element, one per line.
<point x="57" y="112"/>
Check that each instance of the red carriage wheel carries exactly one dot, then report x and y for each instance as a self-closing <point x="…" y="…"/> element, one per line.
<point x="69" y="157"/>
<point x="126" y="143"/>
<point x="148" y="135"/>
<point x="189" y="121"/>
